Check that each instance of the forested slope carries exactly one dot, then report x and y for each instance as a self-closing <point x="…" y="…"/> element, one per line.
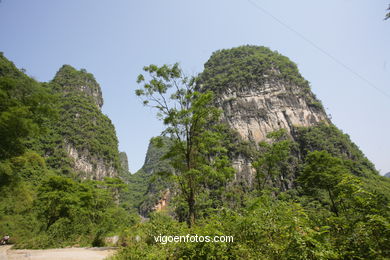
<point x="301" y="189"/>
<point x="58" y="162"/>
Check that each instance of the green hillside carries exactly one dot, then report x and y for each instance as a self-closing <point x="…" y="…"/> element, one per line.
<point x="304" y="191"/>
<point x="45" y="201"/>
<point x="312" y="193"/>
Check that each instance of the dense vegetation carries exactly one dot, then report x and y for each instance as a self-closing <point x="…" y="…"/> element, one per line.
<point x="81" y="123"/>
<point x="246" y="65"/>
<point x="197" y="153"/>
<point x="250" y="66"/>
<point x="145" y="187"/>
<point x="333" y="211"/>
<point x="43" y="202"/>
<point x="314" y="195"/>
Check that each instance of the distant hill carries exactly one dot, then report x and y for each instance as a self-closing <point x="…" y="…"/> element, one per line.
<point x="387" y="175"/>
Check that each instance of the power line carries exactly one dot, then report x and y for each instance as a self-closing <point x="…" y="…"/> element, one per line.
<point x="300" y="35"/>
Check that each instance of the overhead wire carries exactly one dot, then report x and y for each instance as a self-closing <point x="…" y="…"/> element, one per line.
<point x="313" y="44"/>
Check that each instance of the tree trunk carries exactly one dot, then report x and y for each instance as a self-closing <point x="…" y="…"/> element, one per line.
<point x="191" y="209"/>
<point x="333" y="203"/>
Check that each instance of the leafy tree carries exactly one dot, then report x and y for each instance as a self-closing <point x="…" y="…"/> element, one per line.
<point x="328" y="138"/>
<point x="25" y="104"/>
<point x="273" y="159"/>
<point x="39" y="208"/>
<point x="363" y="227"/>
<point x="197" y="153"/>
<point x="322" y="172"/>
<point x="360" y="224"/>
<point x="70" y="211"/>
<point x="266" y="229"/>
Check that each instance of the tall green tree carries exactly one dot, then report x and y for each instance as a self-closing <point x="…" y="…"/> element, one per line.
<point x="273" y="159"/>
<point x="24" y="106"/>
<point x="322" y="172"/>
<point x="197" y="154"/>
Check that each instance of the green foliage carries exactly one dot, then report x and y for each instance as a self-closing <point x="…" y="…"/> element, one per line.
<point x="146" y="185"/>
<point x="25" y="104"/>
<point x="275" y="227"/>
<point x="68" y="78"/>
<point x="18" y="194"/>
<point x="137" y="188"/>
<point x="124" y="163"/>
<point x="80" y="125"/>
<point x="322" y="172"/>
<point x="328" y="138"/>
<point x="378" y="184"/>
<point x="275" y="159"/>
<point x="28" y="167"/>
<point x="72" y="212"/>
<point x="266" y="229"/>
<point x="253" y="67"/>
<point x="197" y="152"/>
<point x="338" y="189"/>
<point x="246" y="65"/>
<point x="40" y="208"/>
<point x="60" y="212"/>
<point x="360" y="224"/>
<point x="339" y="208"/>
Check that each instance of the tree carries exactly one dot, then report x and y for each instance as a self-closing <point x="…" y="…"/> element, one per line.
<point x="322" y="171"/>
<point x="273" y="159"/>
<point x="197" y="154"/>
<point x="25" y="105"/>
<point x="388" y="14"/>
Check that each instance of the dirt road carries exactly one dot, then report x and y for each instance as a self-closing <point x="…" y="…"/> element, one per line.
<point x="95" y="253"/>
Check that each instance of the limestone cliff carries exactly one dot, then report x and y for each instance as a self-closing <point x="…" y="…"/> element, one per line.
<point x="124" y="161"/>
<point x="149" y="191"/>
<point x="260" y="91"/>
<point x="70" y="81"/>
<point x="83" y="139"/>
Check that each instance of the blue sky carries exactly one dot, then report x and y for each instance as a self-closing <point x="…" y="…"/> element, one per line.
<point x="115" y="39"/>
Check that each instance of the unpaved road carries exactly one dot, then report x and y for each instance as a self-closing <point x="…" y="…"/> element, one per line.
<point x="94" y="253"/>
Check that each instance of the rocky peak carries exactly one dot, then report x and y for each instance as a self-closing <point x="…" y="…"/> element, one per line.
<point x="71" y="80"/>
<point x="124" y="161"/>
<point x="88" y="136"/>
<point x="260" y="91"/>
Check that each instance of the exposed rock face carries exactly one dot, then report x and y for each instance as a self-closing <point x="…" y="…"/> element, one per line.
<point x="151" y="191"/>
<point x="72" y="81"/>
<point x="259" y="91"/>
<point x="258" y="109"/>
<point x="90" y="166"/>
<point x="245" y="173"/>
<point x="162" y="203"/>
<point x="124" y="161"/>
<point x="88" y="136"/>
